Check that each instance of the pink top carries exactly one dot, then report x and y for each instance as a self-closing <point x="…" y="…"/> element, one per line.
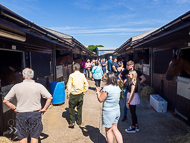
<point x="88" y="65"/>
<point x="135" y="100"/>
<point x="83" y="64"/>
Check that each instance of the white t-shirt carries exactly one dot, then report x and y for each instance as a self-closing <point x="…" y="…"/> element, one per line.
<point x="28" y="94"/>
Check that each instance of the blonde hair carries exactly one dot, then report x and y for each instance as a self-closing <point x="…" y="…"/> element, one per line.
<point x="134" y="79"/>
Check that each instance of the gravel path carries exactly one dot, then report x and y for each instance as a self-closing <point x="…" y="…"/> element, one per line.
<point x="154" y="127"/>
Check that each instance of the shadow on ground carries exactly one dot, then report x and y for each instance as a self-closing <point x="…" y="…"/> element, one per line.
<point x="66" y="115"/>
<point x="92" y="132"/>
<point x="92" y="88"/>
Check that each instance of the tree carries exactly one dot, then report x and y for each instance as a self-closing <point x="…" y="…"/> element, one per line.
<point x="93" y="47"/>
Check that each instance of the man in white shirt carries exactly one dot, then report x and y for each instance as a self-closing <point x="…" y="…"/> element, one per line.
<point x="28" y="109"/>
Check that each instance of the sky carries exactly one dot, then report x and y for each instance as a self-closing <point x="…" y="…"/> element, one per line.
<point x="99" y="22"/>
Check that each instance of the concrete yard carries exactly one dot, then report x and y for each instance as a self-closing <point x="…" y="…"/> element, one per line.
<point x="154" y="127"/>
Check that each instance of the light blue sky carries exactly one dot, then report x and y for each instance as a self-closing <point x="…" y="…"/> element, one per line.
<point x="99" y="22"/>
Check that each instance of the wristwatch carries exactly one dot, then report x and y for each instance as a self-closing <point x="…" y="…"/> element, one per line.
<point x="14" y="109"/>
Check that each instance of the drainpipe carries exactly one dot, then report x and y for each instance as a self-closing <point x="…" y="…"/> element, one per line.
<point x="151" y="64"/>
<point x="54" y="62"/>
<point x="24" y="60"/>
<point x="177" y="112"/>
<point x="30" y="60"/>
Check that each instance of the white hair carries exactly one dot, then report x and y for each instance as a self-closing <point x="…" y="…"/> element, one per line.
<point x="28" y="73"/>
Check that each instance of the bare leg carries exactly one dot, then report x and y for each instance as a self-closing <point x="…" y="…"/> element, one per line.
<point x="109" y="135"/>
<point x="104" y="75"/>
<point x="34" y="140"/>
<point x="24" y="140"/>
<point x="117" y="133"/>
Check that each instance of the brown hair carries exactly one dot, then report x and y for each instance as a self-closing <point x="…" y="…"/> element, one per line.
<point x="111" y="79"/>
<point x="130" y="63"/>
<point x="120" y="63"/>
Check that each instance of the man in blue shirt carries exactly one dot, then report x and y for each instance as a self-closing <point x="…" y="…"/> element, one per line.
<point x="114" y="66"/>
<point x="109" y="63"/>
<point x="103" y="63"/>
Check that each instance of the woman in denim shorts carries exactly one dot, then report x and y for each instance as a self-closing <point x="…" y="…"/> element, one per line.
<point x="111" y="110"/>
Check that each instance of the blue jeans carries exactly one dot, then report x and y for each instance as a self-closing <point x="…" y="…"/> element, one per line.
<point x="88" y="73"/>
<point x="125" y="100"/>
<point x="84" y="70"/>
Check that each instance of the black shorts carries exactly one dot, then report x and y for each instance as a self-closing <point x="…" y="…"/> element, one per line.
<point x="28" y="124"/>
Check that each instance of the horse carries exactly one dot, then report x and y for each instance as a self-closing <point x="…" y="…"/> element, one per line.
<point x="78" y="60"/>
<point x="141" y="56"/>
<point x="130" y="57"/>
<point x="177" y="65"/>
<point x="64" y="59"/>
<point x="10" y="75"/>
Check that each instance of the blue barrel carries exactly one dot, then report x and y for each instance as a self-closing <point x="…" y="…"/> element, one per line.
<point x="57" y="90"/>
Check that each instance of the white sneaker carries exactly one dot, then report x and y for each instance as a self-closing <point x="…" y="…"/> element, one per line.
<point x="137" y="128"/>
<point x="130" y="130"/>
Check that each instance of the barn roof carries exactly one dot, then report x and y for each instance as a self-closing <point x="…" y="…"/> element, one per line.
<point x="106" y="48"/>
<point x="142" y="40"/>
<point x="176" y="25"/>
<point x="12" y="21"/>
<point x="61" y="35"/>
<point x="127" y="45"/>
<point x="72" y="40"/>
<point x="134" y="38"/>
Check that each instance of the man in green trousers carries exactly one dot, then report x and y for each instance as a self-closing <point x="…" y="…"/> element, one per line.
<point x="76" y="87"/>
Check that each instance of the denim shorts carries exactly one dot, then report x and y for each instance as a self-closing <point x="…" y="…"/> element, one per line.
<point x="104" y="69"/>
<point x="28" y="124"/>
<point x="110" y="117"/>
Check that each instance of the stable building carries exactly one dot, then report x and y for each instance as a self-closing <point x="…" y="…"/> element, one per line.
<point x="169" y="63"/>
<point x="26" y="44"/>
<point x="105" y="52"/>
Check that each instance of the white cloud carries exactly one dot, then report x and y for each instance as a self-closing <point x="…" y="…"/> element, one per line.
<point x="183" y="1"/>
<point x="107" y="34"/>
<point x="22" y="6"/>
<point x="141" y="22"/>
<point x="83" y="4"/>
<point x="124" y="4"/>
<point x="101" y="5"/>
<point x="148" y="21"/>
<point x="64" y="28"/>
<point x="123" y="16"/>
<point x="102" y="31"/>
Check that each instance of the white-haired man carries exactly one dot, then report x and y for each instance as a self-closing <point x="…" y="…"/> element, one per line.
<point x="28" y="118"/>
<point x="77" y="86"/>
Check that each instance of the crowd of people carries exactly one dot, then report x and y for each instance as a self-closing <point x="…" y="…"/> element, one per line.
<point x="120" y="77"/>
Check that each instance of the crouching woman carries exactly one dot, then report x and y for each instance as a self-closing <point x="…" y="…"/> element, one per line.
<point x="111" y="110"/>
<point x="133" y="100"/>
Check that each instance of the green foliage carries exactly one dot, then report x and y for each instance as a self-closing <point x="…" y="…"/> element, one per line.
<point x="93" y="47"/>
